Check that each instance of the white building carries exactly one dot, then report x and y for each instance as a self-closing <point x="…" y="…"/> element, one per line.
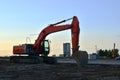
<point x="66" y="49"/>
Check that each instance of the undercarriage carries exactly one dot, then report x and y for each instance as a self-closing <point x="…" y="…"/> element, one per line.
<point x="33" y="59"/>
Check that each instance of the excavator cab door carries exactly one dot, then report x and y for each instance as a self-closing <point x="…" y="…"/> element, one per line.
<point x="46" y="47"/>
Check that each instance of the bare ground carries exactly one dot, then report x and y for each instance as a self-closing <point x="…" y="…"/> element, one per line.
<point x="10" y="71"/>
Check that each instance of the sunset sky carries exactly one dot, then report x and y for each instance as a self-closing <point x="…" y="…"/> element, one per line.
<point x="99" y="23"/>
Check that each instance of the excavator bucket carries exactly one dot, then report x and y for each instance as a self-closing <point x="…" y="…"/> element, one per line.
<point x="81" y="57"/>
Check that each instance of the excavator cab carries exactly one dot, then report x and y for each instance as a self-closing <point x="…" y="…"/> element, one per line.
<point x="46" y="48"/>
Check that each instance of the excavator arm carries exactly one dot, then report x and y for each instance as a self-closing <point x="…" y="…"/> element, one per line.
<point x="74" y="26"/>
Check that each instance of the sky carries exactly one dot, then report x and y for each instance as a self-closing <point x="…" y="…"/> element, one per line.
<point x="99" y="23"/>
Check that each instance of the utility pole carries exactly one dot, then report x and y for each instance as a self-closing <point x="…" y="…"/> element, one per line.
<point x="113" y="51"/>
<point x="96" y="48"/>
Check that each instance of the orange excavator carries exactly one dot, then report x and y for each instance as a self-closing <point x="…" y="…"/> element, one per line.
<point x="38" y="52"/>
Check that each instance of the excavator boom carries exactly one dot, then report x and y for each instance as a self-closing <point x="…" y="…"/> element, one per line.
<point x="74" y="26"/>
